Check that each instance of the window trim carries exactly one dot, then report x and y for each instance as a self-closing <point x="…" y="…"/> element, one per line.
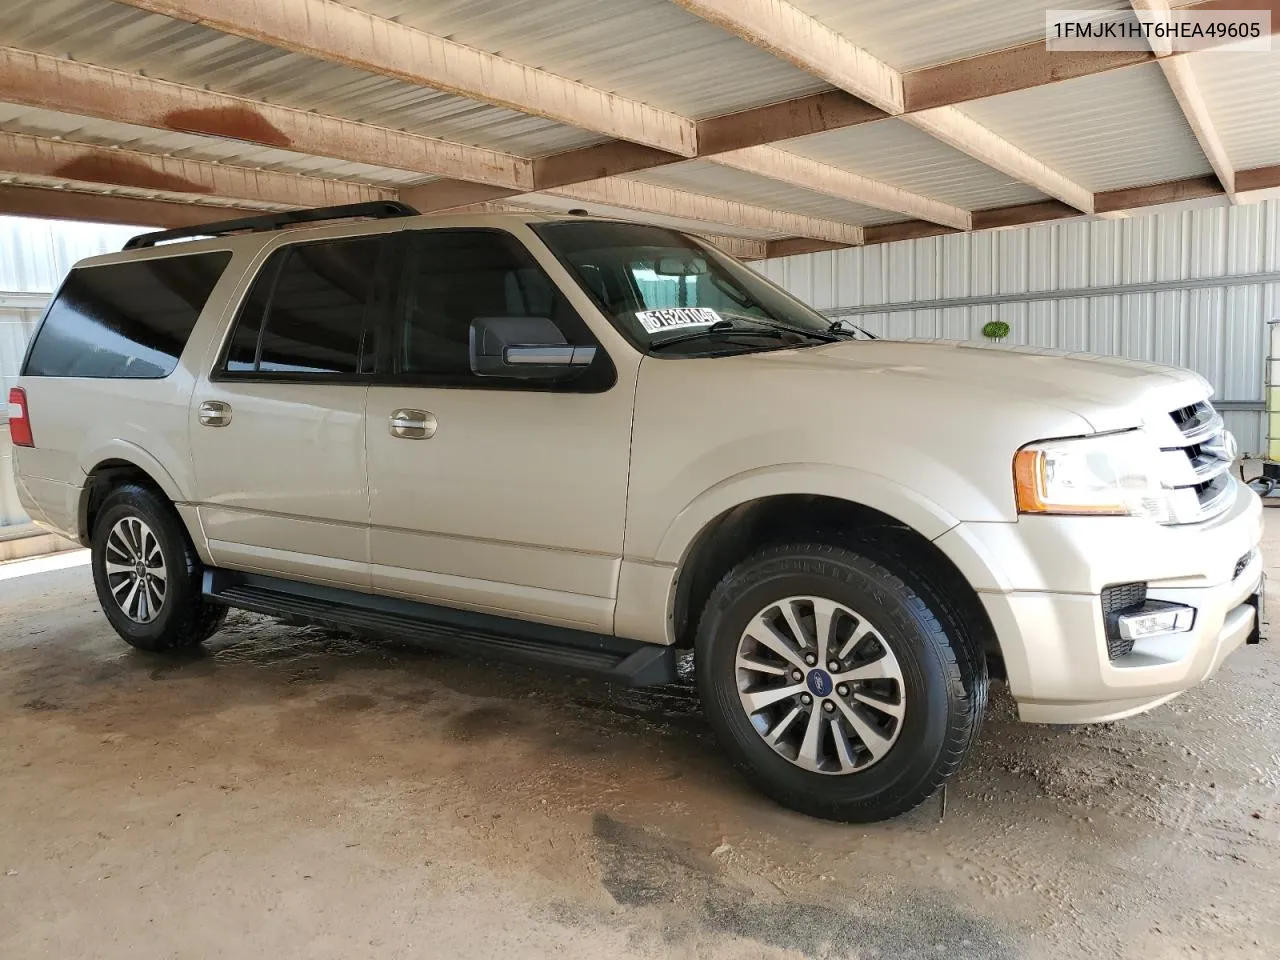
<point x="395" y="319"/>
<point x="386" y="256"/>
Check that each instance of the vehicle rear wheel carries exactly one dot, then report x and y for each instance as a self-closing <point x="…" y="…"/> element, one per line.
<point x="147" y="573"/>
<point x="840" y="684"/>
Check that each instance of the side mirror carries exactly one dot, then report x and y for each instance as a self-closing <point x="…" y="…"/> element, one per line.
<point x="528" y="348"/>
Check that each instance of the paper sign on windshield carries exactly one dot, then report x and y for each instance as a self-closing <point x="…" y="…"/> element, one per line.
<point x="673" y="318"/>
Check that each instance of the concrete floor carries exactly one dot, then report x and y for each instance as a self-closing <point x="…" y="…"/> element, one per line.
<point x="300" y="793"/>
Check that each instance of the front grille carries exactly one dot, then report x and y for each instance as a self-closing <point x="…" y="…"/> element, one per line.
<point x="1196" y="454"/>
<point x="1116" y="600"/>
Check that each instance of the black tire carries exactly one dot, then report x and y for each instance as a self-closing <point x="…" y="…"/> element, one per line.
<point x="184" y="620"/>
<point x="944" y="678"/>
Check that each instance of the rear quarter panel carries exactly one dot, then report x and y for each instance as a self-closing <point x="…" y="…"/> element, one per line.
<point x="80" y="422"/>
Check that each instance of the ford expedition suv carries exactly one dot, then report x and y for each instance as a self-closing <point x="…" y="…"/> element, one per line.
<point x="592" y="444"/>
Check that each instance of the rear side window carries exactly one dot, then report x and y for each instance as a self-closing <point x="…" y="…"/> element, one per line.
<point x="126" y="320"/>
<point x="307" y="311"/>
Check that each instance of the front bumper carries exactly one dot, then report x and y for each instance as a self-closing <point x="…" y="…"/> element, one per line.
<point x="1048" y="618"/>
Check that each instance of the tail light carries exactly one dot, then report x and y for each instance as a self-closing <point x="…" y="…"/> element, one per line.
<point x="19" y="421"/>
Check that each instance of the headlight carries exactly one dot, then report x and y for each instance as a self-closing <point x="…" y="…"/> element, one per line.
<point x="1115" y="474"/>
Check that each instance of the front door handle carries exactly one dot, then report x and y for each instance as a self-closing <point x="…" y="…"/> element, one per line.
<point x="215" y="413"/>
<point x="413" y="425"/>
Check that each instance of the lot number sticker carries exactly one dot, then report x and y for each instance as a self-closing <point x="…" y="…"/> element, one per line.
<point x="673" y="318"/>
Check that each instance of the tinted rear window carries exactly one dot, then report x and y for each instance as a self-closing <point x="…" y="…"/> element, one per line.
<point x="127" y="320"/>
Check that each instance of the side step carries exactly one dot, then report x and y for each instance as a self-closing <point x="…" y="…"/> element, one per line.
<point x="628" y="662"/>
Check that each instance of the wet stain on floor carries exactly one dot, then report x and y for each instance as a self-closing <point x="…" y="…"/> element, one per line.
<point x="318" y="793"/>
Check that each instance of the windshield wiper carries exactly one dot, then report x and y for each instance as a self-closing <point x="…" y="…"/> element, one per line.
<point x="838" y="326"/>
<point x="771" y="324"/>
<point x="718" y="329"/>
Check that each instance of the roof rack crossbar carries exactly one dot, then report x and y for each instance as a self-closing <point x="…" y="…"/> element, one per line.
<point x="376" y="209"/>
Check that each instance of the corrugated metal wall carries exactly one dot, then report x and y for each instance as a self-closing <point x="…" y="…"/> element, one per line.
<point x="34" y="257"/>
<point x="1193" y="288"/>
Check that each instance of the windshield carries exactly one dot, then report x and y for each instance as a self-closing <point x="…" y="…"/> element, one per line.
<point x="659" y="287"/>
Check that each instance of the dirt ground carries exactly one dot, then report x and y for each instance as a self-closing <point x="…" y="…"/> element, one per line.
<point x="295" y="792"/>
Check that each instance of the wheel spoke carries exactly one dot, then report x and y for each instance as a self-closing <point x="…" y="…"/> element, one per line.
<point x="765" y="634"/>
<point x="143" y="611"/>
<point x="788" y="608"/>
<point x="824" y="618"/>
<point x="157" y="597"/>
<point x="894" y="710"/>
<point x="882" y="668"/>
<point x="127" y="604"/>
<point x="759" y="666"/>
<point x="844" y="749"/>
<point x="871" y="738"/>
<point x="113" y="568"/>
<point x="812" y="738"/>
<point x="128" y="581"/>
<point x="781" y="726"/>
<point x="757" y="700"/>
<point x="159" y="573"/>
<point x="861" y="632"/>
<point x="117" y="542"/>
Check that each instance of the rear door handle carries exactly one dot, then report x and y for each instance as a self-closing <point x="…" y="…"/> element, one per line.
<point x="215" y="413"/>
<point x="413" y="425"/>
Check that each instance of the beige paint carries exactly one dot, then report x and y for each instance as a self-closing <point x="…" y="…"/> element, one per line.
<point x="583" y="509"/>
<point x="342" y="34"/>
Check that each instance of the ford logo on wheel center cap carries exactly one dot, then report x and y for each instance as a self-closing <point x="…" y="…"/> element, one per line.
<point x="819" y="683"/>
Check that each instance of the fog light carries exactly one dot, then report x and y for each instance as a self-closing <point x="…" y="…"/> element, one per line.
<point x="1150" y="620"/>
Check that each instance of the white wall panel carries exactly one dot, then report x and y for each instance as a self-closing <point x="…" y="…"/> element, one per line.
<point x="1191" y="288"/>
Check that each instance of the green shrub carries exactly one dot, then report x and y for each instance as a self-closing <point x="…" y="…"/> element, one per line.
<point x="995" y="330"/>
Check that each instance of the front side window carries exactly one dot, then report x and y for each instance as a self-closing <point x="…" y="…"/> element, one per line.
<point x="455" y="278"/>
<point x="670" y="294"/>
<point x="308" y="310"/>
<point x="127" y="320"/>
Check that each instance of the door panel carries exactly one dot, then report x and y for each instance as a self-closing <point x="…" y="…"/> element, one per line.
<point x="516" y="502"/>
<point x="278" y="435"/>
<point x="282" y="486"/>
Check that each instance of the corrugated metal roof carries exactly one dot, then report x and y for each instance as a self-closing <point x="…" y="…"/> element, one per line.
<point x="649" y="51"/>
<point x="125" y="38"/>
<point x="893" y="151"/>
<point x="703" y="176"/>
<point x="1242" y="92"/>
<point x="909" y="35"/>
<point x="47" y="123"/>
<point x="1111" y="130"/>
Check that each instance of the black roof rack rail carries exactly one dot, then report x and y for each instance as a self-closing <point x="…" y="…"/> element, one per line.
<point x="376" y="209"/>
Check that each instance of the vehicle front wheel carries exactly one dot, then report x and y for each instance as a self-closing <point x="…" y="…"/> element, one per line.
<point x="842" y="685"/>
<point x="147" y="573"/>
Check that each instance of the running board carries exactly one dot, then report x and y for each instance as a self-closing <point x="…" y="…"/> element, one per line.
<point x="628" y="662"/>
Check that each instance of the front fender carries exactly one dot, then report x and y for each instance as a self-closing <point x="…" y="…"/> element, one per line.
<point x="815" y="479"/>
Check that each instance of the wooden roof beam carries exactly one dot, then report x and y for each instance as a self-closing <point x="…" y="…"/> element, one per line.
<point x="341" y="34"/>
<point x="83" y="163"/>
<point x="788" y="32"/>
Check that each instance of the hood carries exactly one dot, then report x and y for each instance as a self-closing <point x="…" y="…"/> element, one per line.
<point x="1110" y="393"/>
